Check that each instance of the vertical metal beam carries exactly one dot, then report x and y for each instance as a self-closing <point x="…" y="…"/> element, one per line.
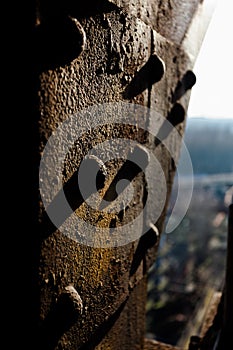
<point x="226" y="339"/>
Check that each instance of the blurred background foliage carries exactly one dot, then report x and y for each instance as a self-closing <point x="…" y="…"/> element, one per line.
<point x="190" y="264"/>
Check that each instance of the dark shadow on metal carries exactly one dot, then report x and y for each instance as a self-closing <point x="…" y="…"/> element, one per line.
<point x="73" y="196"/>
<point x="75" y="199"/>
<point x="175" y="117"/>
<point x="186" y="83"/>
<point x="135" y="164"/>
<point x="149" y="74"/>
<point x="104" y="328"/>
<point x="129" y="170"/>
<point x="58" y="41"/>
<point x="78" y="9"/>
<point x="147" y="241"/>
<point x="59" y="319"/>
<point x="71" y="189"/>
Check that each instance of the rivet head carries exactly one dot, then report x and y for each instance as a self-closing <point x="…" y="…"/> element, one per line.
<point x="185" y="84"/>
<point x="189" y="80"/>
<point x="158" y="68"/>
<point x="59" y="41"/>
<point x="176" y="115"/>
<point x="93" y="175"/>
<point x="80" y="34"/>
<point x="71" y="294"/>
<point x="151" y="73"/>
<point x="154" y="228"/>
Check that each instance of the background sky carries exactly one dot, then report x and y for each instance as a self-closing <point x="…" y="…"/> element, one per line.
<point x="212" y="95"/>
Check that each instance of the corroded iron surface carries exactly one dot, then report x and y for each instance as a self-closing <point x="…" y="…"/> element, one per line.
<point x="102" y="52"/>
